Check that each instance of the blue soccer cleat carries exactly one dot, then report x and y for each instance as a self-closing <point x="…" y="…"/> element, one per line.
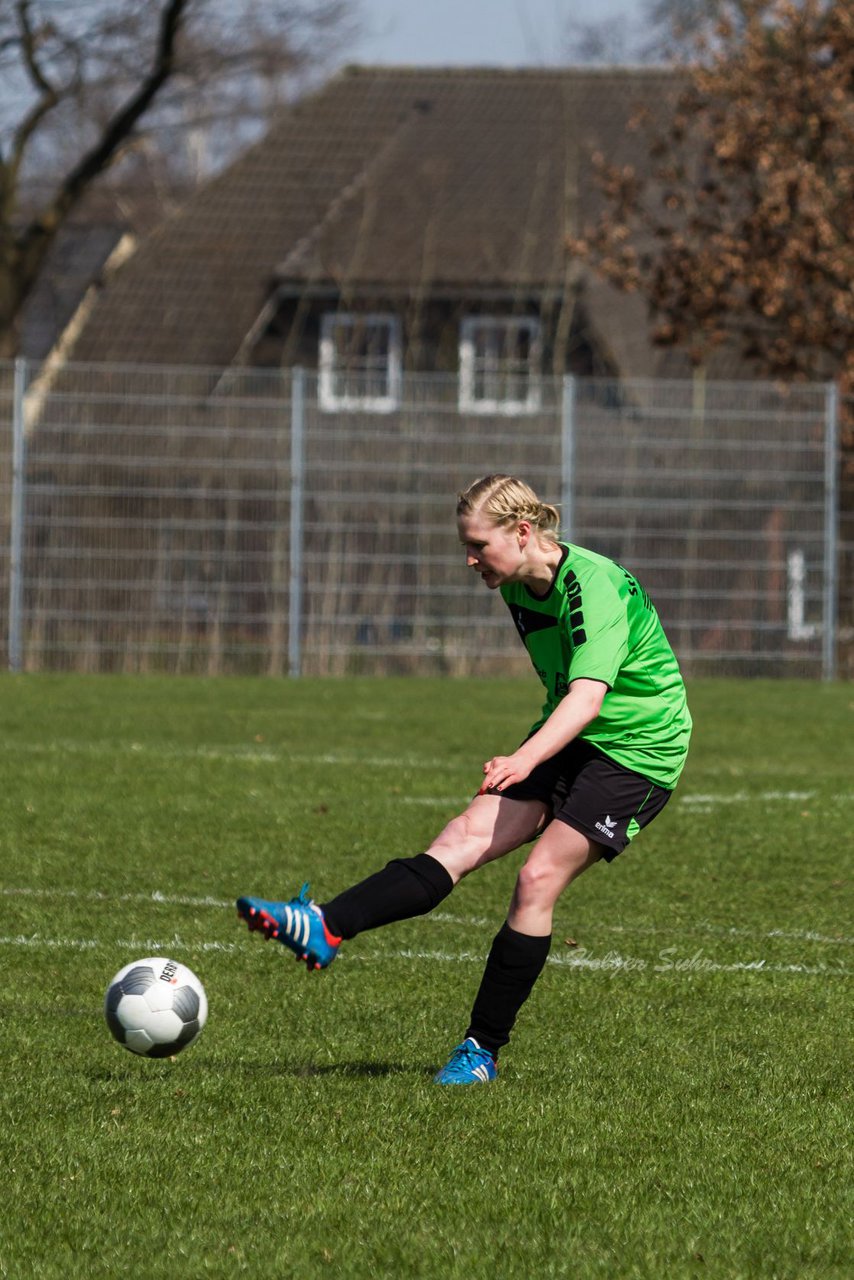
<point x="468" y="1064"/>
<point x="298" y="925"/>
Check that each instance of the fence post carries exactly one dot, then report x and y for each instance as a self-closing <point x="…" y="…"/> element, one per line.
<point x="295" y="591"/>
<point x="831" y="531"/>
<point x="17" y="517"/>
<point x="567" y="459"/>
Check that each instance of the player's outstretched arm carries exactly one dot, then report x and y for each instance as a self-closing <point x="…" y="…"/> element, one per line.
<point x="574" y="712"/>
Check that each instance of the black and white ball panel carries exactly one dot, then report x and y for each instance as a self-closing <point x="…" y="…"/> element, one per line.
<point x="155" y="1007"/>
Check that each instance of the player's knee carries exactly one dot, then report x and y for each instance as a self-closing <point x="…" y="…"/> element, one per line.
<point x="539" y="881"/>
<point x="461" y="846"/>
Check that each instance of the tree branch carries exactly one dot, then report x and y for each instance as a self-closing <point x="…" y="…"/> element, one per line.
<point x="49" y="98"/>
<point x="37" y="238"/>
<point x="28" y="49"/>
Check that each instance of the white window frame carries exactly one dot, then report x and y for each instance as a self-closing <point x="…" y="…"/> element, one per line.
<point x="500" y="326"/>
<point x="330" y="400"/>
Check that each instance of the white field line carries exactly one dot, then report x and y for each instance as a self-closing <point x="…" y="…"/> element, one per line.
<point x="438" y="802"/>
<point x="717" y="930"/>
<point x="693" y="800"/>
<point x="612" y="963"/>
<point x="744" y="797"/>
<point x="239" y="753"/>
<point x="142" y="946"/>
<point x="443" y="917"/>
<point x="728" y="931"/>
<point x="242" y="753"/>
<point x="94" y="895"/>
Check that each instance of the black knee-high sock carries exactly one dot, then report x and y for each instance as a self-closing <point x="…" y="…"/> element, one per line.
<point x="514" y="963"/>
<point x="405" y="887"/>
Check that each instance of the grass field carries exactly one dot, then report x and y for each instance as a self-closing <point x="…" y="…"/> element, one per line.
<point x="677" y="1100"/>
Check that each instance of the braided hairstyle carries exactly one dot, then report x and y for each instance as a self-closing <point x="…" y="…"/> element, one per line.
<point x="506" y="501"/>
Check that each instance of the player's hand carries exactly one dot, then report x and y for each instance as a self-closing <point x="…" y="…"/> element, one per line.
<point x="502" y="771"/>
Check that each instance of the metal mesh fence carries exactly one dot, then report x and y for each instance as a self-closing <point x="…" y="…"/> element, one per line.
<point x="716" y="494"/>
<point x="196" y="520"/>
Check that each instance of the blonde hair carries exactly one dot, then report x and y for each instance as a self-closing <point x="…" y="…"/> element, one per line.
<point x="506" y="501"/>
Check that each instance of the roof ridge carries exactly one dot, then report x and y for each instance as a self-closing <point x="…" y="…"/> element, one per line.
<point x="347" y="193"/>
<point x="452" y="72"/>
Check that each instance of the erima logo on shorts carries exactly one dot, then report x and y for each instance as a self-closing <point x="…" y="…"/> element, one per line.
<point x="607" y="827"/>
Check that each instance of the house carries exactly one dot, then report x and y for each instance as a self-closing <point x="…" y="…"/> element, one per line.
<point x="397" y="225"/>
<point x="400" y="221"/>
<point x="80" y="256"/>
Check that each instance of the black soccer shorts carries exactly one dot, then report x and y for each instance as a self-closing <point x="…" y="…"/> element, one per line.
<point x="589" y="791"/>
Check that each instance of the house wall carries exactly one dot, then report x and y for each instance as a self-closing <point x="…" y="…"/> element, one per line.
<point x="431" y="330"/>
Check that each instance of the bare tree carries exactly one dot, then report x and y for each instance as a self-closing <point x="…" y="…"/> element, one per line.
<point x="159" y="93"/>
<point x="739" y="226"/>
<point x="605" y="42"/>
<point x="666" y="31"/>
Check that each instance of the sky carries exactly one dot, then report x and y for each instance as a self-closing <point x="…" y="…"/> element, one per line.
<point x="476" y="32"/>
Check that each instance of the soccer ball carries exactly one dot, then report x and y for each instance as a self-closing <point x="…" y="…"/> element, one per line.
<point x="155" y="1007"/>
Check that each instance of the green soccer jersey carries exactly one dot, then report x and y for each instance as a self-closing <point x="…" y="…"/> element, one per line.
<point x="597" y="623"/>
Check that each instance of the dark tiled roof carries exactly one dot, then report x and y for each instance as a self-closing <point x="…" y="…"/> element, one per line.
<point x="76" y="261"/>
<point x="479" y="180"/>
<point x="398" y="178"/>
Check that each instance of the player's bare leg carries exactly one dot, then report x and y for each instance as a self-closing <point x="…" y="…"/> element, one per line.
<point x="561" y="854"/>
<point x="519" y="952"/>
<point x="489" y="828"/>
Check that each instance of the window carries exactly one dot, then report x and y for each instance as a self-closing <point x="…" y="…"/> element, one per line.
<point x="359" y="362"/>
<point x="500" y="364"/>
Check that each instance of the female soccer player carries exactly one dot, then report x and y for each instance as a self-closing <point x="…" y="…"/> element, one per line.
<point x="598" y="765"/>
